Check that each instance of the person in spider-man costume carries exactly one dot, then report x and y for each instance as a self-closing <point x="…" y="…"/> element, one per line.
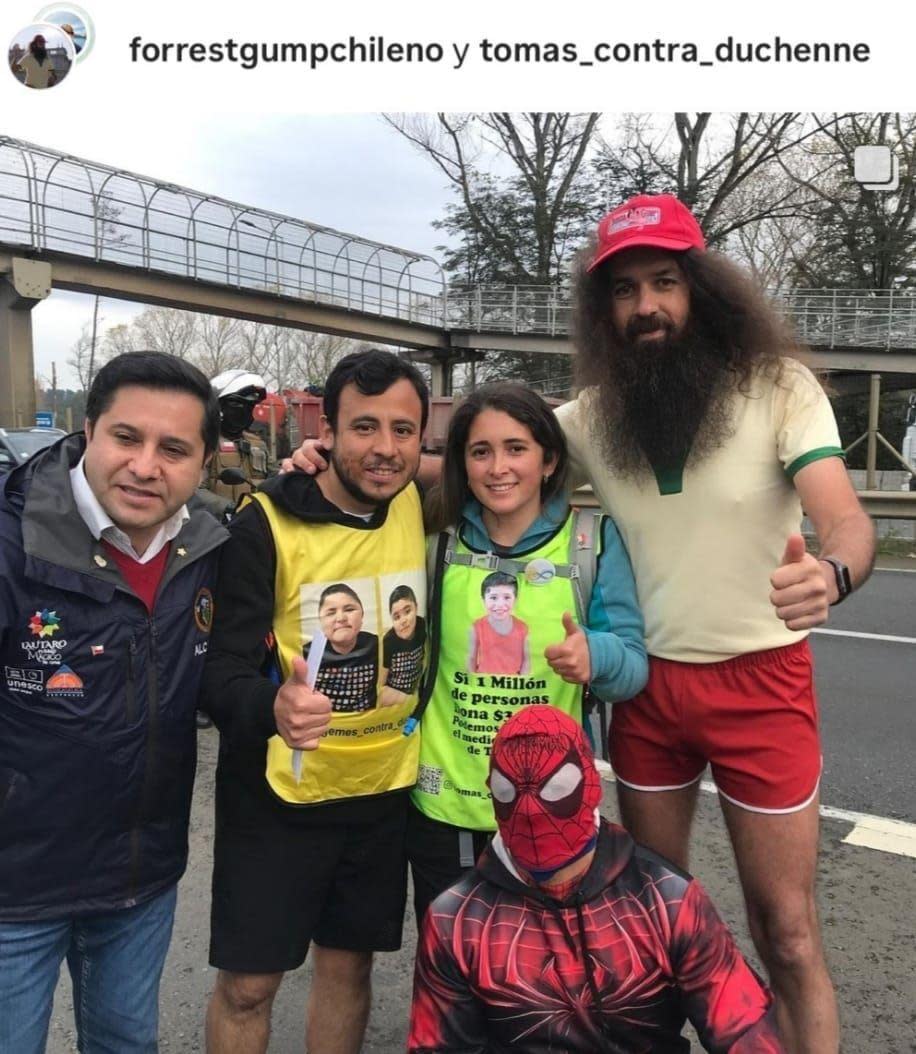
<point x="569" y="937"/>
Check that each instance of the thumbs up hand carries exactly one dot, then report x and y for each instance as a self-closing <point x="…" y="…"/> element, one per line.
<point x="570" y="658"/>
<point x="801" y="586"/>
<point x="302" y="714"/>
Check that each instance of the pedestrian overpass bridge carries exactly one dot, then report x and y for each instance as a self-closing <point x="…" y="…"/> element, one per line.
<point x="68" y="223"/>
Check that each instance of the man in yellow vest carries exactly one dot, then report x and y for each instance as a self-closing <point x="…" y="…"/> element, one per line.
<point x="309" y="847"/>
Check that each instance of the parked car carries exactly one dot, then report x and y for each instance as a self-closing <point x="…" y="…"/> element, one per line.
<point x="19" y="444"/>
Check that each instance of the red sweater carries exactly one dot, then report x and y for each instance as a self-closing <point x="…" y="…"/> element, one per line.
<point x="143" y="579"/>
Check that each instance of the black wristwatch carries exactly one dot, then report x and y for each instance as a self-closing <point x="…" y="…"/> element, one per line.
<point x="843" y="581"/>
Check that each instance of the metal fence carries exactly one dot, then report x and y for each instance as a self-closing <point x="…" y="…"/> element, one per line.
<point x="54" y="202"/>
<point x="831" y="318"/>
<point x="509" y="309"/>
<point x="866" y="318"/>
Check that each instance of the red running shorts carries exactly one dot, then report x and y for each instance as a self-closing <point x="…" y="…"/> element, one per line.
<point x="753" y="718"/>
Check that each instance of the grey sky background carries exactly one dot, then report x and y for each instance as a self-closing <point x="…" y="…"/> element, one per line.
<point x="349" y="171"/>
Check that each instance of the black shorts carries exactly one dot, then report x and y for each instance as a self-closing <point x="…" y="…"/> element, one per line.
<point x="280" y="884"/>
<point x="439" y="855"/>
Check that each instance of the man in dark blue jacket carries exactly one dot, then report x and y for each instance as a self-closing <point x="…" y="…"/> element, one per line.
<point x="105" y="614"/>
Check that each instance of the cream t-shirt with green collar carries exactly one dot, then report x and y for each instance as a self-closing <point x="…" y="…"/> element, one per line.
<point x="704" y="540"/>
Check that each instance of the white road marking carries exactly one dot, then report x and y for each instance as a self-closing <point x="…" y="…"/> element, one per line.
<point x="865" y="636"/>
<point x="898" y="570"/>
<point x="876" y="832"/>
<point x="871" y="832"/>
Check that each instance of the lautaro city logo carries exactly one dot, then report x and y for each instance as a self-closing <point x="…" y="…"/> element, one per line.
<point x="44" y="623"/>
<point x="41" y="645"/>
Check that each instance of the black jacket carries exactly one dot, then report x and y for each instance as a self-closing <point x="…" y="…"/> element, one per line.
<point x="97" y="699"/>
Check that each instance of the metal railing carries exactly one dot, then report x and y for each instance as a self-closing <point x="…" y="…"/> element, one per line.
<point x="509" y="309"/>
<point x="865" y="318"/>
<point x="55" y="202"/>
<point x="58" y="203"/>
<point x="831" y="318"/>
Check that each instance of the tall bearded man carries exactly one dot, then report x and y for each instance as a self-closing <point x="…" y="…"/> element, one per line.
<point x="703" y="436"/>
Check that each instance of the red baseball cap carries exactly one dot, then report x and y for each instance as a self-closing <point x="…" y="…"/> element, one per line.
<point x="658" y="220"/>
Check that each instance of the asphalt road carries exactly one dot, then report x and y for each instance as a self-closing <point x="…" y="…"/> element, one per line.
<point x="867" y="694"/>
<point x="867" y="898"/>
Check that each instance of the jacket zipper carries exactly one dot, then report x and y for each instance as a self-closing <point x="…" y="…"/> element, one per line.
<point x="131" y="674"/>
<point x="152" y="750"/>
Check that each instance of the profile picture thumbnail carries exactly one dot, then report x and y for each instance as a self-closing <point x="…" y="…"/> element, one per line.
<point x="74" y="22"/>
<point x="41" y="55"/>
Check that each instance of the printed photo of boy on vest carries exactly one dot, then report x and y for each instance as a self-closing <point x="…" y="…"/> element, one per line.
<point x="403" y="647"/>
<point x="349" y="668"/>
<point x="499" y="640"/>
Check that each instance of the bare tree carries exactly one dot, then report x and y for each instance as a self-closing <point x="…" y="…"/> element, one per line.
<point x="776" y="248"/>
<point x="525" y="198"/>
<point x="713" y="163"/>
<point x="119" y="339"/>
<point x="165" y="329"/>
<point x="520" y="219"/>
<point x="217" y="345"/>
<point x="865" y="238"/>
<point x="291" y="358"/>
<point x="314" y="355"/>
<point x="81" y="356"/>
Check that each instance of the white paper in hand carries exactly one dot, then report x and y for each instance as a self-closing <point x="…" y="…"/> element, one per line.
<point x="312" y="665"/>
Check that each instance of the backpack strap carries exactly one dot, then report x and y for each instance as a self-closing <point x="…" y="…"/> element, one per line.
<point x="584" y="549"/>
<point x="581" y="567"/>
<point x="507" y="564"/>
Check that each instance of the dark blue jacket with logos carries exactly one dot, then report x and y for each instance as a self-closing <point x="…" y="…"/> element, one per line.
<point x="98" y="743"/>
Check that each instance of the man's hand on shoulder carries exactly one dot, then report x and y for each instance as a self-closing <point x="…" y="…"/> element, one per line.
<point x="801" y="590"/>
<point x="302" y="714"/>
<point x="309" y="457"/>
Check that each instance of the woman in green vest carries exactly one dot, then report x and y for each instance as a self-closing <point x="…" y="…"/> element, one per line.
<point x="530" y="602"/>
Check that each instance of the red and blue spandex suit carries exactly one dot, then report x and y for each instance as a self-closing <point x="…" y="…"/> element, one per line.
<point x="616" y="967"/>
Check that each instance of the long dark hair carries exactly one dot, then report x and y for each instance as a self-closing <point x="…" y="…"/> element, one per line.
<point x="445" y="502"/>
<point x="39" y="51"/>
<point x="726" y="308"/>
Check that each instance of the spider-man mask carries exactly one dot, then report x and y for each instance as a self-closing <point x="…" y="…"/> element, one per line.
<point x="545" y="789"/>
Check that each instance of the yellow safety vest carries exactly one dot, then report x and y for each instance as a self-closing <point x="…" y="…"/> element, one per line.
<point x="365" y="751"/>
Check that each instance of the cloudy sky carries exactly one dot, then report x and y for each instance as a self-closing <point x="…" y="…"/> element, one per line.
<point x="350" y="171"/>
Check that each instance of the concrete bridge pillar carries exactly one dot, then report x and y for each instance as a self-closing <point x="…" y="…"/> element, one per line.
<point x="874" y="408"/>
<point x="441" y="376"/>
<point x="442" y="366"/>
<point x="21" y="288"/>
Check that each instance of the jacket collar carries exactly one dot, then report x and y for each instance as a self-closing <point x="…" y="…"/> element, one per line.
<point x="54" y="533"/>
<point x="552" y="517"/>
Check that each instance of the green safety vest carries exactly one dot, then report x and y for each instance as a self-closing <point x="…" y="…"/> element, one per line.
<point x="469" y="702"/>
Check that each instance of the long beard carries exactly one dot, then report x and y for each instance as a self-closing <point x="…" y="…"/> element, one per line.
<point x="663" y="404"/>
<point x="39" y="53"/>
